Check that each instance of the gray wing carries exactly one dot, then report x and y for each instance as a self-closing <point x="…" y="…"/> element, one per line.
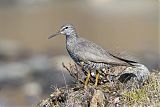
<point x="89" y="51"/>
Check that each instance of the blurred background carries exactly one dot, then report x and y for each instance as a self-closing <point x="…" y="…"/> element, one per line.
<point x="30" y="64"/>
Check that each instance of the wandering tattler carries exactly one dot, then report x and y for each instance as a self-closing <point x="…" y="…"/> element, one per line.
<point x="95" y="61"/>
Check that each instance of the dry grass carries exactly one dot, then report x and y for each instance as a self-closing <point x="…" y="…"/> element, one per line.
<point x="113" y="94"/>
<point x="147" y="95"/>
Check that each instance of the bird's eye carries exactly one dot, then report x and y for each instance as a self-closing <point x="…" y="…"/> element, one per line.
<point x="66" y="27"/>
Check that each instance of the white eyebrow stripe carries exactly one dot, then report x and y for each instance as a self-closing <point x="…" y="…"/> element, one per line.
<point x="63" y="27"/>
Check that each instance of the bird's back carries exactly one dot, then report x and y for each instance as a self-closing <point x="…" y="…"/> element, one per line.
<point x="89" y="51"/>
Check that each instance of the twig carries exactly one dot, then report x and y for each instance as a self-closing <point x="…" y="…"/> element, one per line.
<point x="74" y="75"/>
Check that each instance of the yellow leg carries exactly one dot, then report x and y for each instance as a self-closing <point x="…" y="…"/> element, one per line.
<point x="87" y="79"/>
<point x="97" y="77"/>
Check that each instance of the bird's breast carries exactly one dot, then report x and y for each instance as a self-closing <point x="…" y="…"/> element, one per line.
<point x="73" y="55"/>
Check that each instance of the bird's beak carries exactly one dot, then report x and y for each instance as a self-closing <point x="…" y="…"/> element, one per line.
<point x="51" y="36"/>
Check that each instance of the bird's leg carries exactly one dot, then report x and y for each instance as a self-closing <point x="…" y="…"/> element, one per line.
<point x="87" y="79"/>
<point x="97" y="77"/>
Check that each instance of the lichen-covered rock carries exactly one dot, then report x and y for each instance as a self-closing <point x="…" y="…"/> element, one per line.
<point x="98" y="99"/>
<point x="75" y="97"/>
<point x="125" y="88"/>
<point x="139" y="71"/>
<point x="113" y="94"/>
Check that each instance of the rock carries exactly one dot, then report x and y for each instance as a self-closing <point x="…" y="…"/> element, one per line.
<point x="114" y="95"/>
<point x="139" y="71"/>
<point x="98" y="99"/>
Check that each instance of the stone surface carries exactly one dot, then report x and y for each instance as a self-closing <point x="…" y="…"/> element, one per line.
<point x="139" y="71"/>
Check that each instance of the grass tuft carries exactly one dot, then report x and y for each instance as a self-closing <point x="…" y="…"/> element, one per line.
<point x="115" y="94"/>
<point x="147" y="95"/>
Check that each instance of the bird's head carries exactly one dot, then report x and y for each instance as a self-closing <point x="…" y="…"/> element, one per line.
<point x="67" y="29"/>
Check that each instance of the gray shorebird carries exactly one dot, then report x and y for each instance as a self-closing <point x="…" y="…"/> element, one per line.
<point x="95" y="61"/>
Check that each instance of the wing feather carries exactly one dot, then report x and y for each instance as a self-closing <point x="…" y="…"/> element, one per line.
<point x="89" y="51"/>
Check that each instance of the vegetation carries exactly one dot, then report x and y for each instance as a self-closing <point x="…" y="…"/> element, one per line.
<point x="147" y="95"/>
<point x="107" y="95"/>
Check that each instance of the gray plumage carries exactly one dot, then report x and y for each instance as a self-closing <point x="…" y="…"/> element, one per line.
<point x="89" y="51"/>
<point x="82" y="50"/>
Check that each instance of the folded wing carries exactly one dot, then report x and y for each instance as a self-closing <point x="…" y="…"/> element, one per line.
<point x="89" y="51"/>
